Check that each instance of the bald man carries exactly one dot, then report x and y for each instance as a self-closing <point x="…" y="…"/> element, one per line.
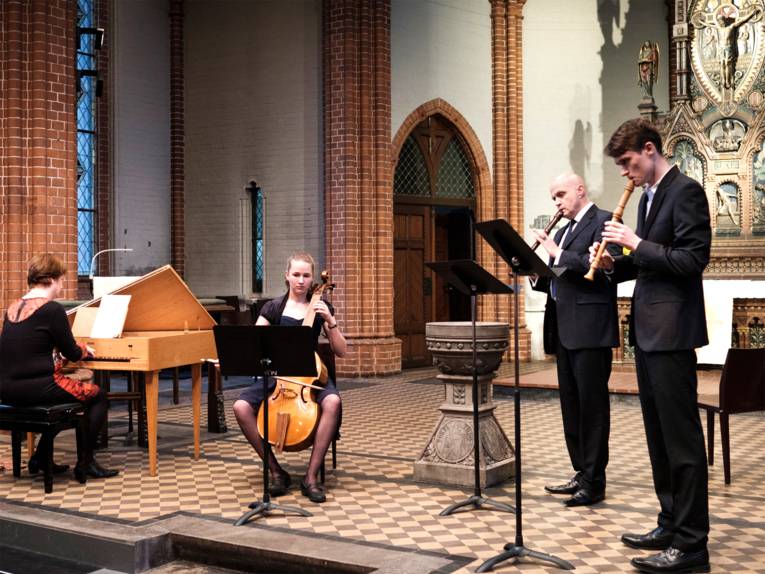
<point x="580" y="327"/>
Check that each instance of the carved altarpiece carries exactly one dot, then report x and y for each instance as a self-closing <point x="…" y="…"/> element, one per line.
<point x="715" y="131"/>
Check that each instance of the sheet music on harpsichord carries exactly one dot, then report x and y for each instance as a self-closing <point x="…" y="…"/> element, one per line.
<point x="105" y="321"/>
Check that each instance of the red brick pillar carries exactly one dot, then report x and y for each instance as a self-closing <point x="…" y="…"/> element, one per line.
<point x="38" y="204"/>
<point x="506" y="201"/>
<point x="103" y="189"/>
<point x="358" y="188"/>
<point x="177" y="135"/>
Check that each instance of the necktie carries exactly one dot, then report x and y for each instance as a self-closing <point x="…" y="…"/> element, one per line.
<point x="554" y="282"/>
<point x="569" y="230"/>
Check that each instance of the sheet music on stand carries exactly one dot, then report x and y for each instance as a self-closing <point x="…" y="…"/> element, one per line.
<point x="105" y="321"/>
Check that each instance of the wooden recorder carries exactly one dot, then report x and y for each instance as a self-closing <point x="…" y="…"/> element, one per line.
<point x="617" y="216"/>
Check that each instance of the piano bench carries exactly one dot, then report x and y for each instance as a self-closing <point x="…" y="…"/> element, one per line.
<point x="38" y="419"/>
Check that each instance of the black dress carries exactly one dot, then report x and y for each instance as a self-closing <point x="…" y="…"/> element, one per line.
<point x="33" y="328"/>
<point x="272" y="311"/>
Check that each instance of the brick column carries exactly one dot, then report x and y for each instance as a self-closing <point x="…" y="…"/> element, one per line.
<point x="38" y="204"/>
<point x="358" y="188"/>
<point x="506" y="199"/>
<point x="103" y="150"/>
<point x="177" y="135"/>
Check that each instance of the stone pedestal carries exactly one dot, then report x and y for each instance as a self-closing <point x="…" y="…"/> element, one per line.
<point x="448" y="454"/>
<point x="648" y="109"/>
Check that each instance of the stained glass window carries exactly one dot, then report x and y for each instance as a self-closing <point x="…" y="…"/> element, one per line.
<point x="454" y="176"/>
<point x="433" y="163"/>
<point x="258" y="246"/>
<point x="86" y="136"/>
<point x="411" y="176"/>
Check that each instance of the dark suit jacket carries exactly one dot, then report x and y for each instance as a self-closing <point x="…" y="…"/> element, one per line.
<point x="668" y="301"/>
<point x="584" y="315"/>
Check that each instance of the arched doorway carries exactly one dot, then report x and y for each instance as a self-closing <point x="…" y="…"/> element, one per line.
<point x="434" y="191"/>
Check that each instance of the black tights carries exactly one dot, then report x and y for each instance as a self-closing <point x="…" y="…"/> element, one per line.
<point x="95" y="416"/>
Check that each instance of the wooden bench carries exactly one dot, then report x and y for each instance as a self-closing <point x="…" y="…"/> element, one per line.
<point x="20" y="420"/>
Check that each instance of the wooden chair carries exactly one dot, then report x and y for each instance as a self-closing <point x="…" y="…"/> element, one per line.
<point x="742" y="390"/>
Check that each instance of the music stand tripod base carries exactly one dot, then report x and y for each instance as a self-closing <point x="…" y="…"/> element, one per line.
<point x="265" y="507"/>
<point x="476" y="501"/>
<point x="519" y="551"/>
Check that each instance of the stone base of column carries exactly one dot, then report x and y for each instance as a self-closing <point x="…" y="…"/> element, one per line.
<point x="449" y="453"/>
<point x="370" y="357"/>
<point x="448" y="456"/>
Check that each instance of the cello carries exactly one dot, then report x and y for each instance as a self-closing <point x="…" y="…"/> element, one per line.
<point x="293" y="413"/>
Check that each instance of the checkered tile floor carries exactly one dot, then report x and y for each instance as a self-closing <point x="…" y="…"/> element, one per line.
<point x="372" y="497"/>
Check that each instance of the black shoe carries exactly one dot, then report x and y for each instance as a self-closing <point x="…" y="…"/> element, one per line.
<point x="93" y="470"/>
<point x="673" y="560"/>
<point x="35" y="465"/>
<point x="314" y="492"/>
<point x="279" y="484"/>
<point x="584" y="497"/>
<point x="657" y="539"/>
<point x="569" y="487"/>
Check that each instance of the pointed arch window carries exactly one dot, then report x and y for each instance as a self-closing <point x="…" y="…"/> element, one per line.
<point x="434" y="164"/>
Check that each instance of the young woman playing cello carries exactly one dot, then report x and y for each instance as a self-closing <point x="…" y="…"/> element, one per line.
<point x="290" y="309"/>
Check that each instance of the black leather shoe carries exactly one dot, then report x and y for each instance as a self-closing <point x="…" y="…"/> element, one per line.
<point x="279" y="484"/>
<point x="35" y="465"/>
<point x="569" y="487"/>
<point x="657" y="539"/>
<point x="93" y="470"/>
<point x="584" y="497"/>
<point x="314" y="492"/>
<point x="673" y="560"/>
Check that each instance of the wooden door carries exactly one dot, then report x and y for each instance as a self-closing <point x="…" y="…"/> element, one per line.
<point x="412" y="281"/>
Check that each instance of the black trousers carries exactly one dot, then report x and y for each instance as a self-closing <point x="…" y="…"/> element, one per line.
<point x="583" y="382"/>
<point x="668" y="387"/>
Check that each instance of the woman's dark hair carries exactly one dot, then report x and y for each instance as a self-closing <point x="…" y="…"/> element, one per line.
<point x="44" y="269"/>
<point x="632" y="135"/>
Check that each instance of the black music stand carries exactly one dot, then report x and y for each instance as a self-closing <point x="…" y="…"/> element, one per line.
<point x="265" y="351"/>
<point x="523" y="261"/>
<point x="468" y="277"/>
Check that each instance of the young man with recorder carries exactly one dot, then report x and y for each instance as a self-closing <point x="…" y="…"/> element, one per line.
<point x="668" y="252"/>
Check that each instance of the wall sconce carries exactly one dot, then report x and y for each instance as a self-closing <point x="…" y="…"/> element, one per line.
<point x="93" y="261"/>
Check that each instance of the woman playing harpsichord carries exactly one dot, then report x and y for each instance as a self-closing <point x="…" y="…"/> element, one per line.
<point x="34" y="327"/>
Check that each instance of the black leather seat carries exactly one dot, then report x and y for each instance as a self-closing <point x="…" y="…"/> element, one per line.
<point x="39" y="419"/>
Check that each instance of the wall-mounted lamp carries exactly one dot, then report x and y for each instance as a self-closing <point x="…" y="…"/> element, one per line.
<point x="93" y="261"/>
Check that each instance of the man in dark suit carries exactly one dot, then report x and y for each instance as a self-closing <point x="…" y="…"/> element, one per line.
<point x="667" y="256"/>
<point x="580" y="327"/>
